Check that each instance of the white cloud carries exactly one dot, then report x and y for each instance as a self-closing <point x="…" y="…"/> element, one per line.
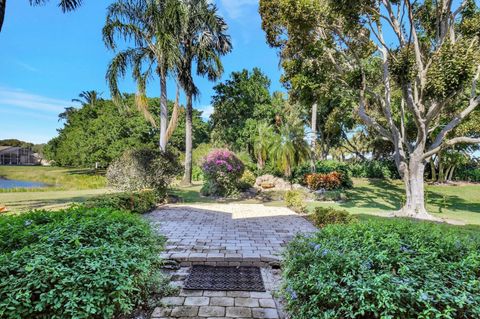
<point x="21" y="99"/>
<point x="207" y="111"/>
<point x="27" y="67"/>
<point x="237" y="9"/>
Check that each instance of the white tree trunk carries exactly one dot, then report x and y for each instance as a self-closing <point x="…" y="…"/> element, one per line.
<point x="413" y="178"/>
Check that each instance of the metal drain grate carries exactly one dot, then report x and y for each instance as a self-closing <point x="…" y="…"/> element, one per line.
<point x="225" y="278"/>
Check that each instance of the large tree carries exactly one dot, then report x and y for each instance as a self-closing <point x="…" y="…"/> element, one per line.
<point x="65" y="5"/>
<point x="153" y="27"/>
<point x="242" y="97"/>
<point x="413" y="65"/>
<point x="202" y="41"/>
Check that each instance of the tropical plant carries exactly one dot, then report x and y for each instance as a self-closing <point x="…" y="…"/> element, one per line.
<point x="262" y="142"/>
<point x="88" y="97"/>
<point x="289" y="147"/>
<point x="203" y="40"/>
<point x="65" y="5"/>
<point x="153" y="27"/>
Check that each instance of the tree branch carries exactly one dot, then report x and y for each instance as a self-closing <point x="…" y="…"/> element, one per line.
<point x="450" y="143"/>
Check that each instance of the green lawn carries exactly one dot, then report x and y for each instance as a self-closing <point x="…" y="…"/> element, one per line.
<point x="378" y="197"/>
<point x="56" y="178"/>
<point x="65" y="186"/>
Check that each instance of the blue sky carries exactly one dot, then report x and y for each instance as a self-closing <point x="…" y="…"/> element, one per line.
<point x="47" y="58"/>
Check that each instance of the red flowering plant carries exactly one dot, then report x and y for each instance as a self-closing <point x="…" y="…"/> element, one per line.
<point x="222" y="171"/>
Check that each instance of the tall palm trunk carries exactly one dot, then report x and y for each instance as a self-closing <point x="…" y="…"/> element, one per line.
<point x="163" y="110"/>
<point x="3" y="6"/>
<point x="187" y="177"/>
<point x="172" y="125"/>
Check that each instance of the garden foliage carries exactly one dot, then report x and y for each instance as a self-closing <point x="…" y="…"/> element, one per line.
<point x="222" y="171"/>
<point x="295" y="200"/>
<point x="330" y="181"/>
<point x="324" y="167"/>
<point x="141" y="169"/>
<point x="323" y="216"/>
<point x="136" y="202"/>
<point x="384" y="269"/>
<point x="77" y="263"/>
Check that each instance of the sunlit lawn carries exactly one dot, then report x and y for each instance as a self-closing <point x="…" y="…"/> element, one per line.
<point x="378" y="197"/>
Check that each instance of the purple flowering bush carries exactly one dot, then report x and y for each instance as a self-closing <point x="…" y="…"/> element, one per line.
<point x="222" y="171"/>
<point x="394" y="268"/>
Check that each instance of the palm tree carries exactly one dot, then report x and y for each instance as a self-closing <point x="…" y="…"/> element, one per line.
<point x="289" y="147"/>
<point x="203" y="41"/>
<point x="88" y="97"/>
<point x="262" y="142"/>
<point x="66" y="5"/>
<point x="153" y="26"/>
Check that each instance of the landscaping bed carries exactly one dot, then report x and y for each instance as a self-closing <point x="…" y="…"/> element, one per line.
<point x="384" y="269"/>
<point x="78" y="263"/>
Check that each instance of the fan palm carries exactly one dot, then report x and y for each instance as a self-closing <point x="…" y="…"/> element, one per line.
<point x="153" y="27"/>
<point x="66" y="5"/>
<point x="88" y="97"/>
<point x="289" y="147"/>
<point x="203" y="41"/>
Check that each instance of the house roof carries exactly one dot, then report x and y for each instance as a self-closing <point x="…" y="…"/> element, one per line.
<point x="8" y="149"/>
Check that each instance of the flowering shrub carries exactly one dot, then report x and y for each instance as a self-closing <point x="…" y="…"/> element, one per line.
<point x="330" y="181"/>
<point x="383" y="269"/>
<point x="222" y="171"/>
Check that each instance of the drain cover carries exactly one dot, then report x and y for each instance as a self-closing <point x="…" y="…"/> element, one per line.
<point x="224" y="278"/>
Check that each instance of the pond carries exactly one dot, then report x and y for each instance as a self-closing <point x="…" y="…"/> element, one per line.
<point x="12" y="183"/>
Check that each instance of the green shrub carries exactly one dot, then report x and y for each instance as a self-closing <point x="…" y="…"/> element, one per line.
<point x="141" y="169"/>
<point x="197" y="173"/>
<point x="323" y="216"/>
<point x="469" y="174"/>
<point x="136" y="202"/>
<point x="295" y="200"/>
<point x="384" y="169"/>
<point x="77" y="263"/>
<point x="248" y="178"/>
<point x="383" y="269"/>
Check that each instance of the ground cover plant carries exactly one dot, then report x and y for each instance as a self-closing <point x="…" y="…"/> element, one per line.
<point x="323" y="216"/>
<point x="77" y="263"/>
<point x="384" y="269"/>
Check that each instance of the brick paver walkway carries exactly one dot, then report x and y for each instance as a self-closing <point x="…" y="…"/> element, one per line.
<point x="225" y="234"/>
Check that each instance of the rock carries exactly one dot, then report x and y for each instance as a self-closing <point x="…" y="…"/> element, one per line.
<point x="270" y="182"/>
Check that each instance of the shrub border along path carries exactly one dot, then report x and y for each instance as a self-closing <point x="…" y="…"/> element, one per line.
<point x="225" y="234"/>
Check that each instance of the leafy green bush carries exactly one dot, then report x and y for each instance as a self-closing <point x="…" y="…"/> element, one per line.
<point x="136" y="202"/>
<point x="470" y="174"/>
<point x="385" y="169"/>
<point x="248" y="178"/>
<point x="142" y="169"/>
<point x="295" y="200"/>
<point x="77" y="263"/>
<point x="323" y="216"/>
<point x="197" y="173"/>
<point x="383" y="269"/>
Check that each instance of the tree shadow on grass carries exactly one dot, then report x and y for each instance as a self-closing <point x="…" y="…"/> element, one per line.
<point x="452" y="203"/>
<point x="380" y="194"/>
